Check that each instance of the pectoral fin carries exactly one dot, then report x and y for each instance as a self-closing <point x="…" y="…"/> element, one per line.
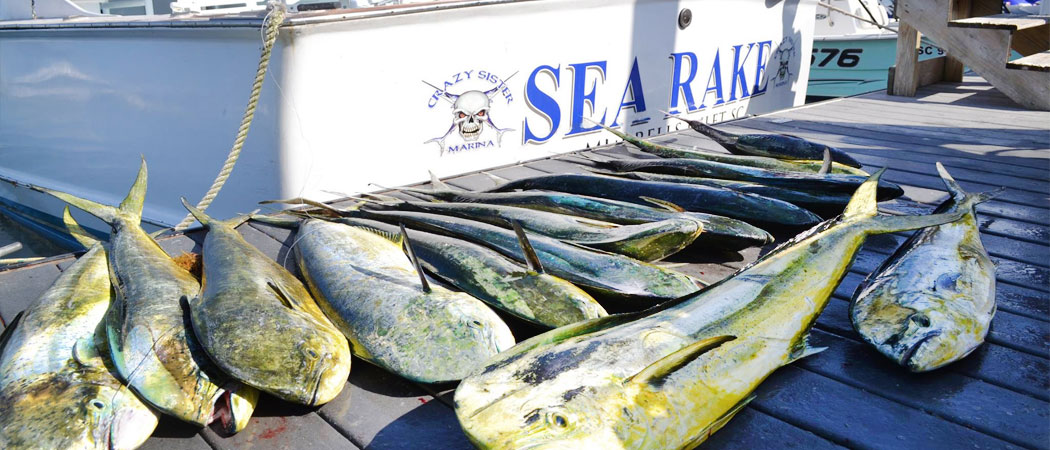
<point x="720" y="422"/>
<point x="825" y="167"/>
<point x="664" y="204"/>
<point x="9" y="330"/>
<point x="85" y="353"/>
<point x="414" y="259"/>
<point x="285" y="298"/>
<point x="531" y="258"/>
<point x="657" y="371"/>
<point x="560" y="334"/>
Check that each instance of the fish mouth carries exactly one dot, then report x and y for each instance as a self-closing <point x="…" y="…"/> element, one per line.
<point x="910" y="353"/>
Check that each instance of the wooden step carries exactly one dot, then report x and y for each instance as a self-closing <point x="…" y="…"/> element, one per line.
<point x="1039" y="62"/>
<point x="1012" y="22"/>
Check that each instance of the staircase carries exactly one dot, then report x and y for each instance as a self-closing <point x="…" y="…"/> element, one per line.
<point x="975" y="33"/>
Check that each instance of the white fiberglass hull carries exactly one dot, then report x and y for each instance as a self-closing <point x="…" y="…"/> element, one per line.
<point x="369" y="98"/>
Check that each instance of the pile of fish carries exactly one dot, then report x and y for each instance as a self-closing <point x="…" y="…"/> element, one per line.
<point x="430" y="289"/>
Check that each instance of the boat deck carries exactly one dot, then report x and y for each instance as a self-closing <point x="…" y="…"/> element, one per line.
<point x="847" y="396"/>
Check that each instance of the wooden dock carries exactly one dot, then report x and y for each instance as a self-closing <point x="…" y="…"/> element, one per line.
<point x="847" y="396"/>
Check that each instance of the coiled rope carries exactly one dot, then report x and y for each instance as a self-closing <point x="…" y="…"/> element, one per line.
<point x="271" y="25"/>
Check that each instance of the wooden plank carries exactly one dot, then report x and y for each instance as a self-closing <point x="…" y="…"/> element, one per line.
<point x="23" y="286"/>
<point x="174" y="434"/>
<point x="1013" y="22"/>
<point x="928" y="71"/>
<point x="378" y="410"/>
<point x="280" y="425"/>
<point x="1038" y="62"/>
<point x="906" y="73"/>
<point x="751" y="429"/>
<point x="994" y="411"/>
<point x="854" y="418"/>
<point x="1027" y="374"/>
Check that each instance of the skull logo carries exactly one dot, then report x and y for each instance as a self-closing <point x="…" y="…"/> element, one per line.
<point x="469" y="113"/>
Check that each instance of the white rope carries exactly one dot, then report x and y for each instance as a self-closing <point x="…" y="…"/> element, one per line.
<point x="271" y="25"/>
<point x="847" y="13"/>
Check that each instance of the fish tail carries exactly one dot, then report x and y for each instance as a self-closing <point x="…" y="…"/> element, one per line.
<point x="957" y="191"/>
<point x="864" y="202"/>
<point x="130" y="208"/>
<point x="78" y="232"/>
<point x="204" y="219"/>
<point x="711" y="132"/>
<point x="863" y="206"/>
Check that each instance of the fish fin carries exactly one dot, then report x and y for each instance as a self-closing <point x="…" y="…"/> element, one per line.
<point x="130" y="208"/>
<point x="596" y="223"/>
<point x="950" y="183"/>
<point x="671" y="265"/>
<point x="560" y="334"/>
<point x="240" y="219"/>
<point x="825" y="166"/>
<point x="437" y="184"/>
<point x="114" y="321"/>
<point x="75" y="230"/>
<point x="285" y="298"/>
<point x="802" y="349"/>
<point x="863" y="203"/>
<point x="406" y="242"/>
<point x="304" y="201"/>
<point x="893" y="224"/>
<point x="720" y="422"/>
<point x="9" y="329"/>
<point x="496" y="179"/>
<point x="663" y="204"/>
<point x="282" y="222"/>
<point x="531" y="258"/>
<point x="242" y="400"/>
<point x="85" y="353"/>
<point x="204" y="219"/>
<point x="715" y="134"/>
<point x="959" y="194"/>
<point x="657" y="371"/>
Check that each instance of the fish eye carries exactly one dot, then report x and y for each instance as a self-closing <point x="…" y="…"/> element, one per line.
<point x="559" y="420"/>
<point x="98" y="404"/>
<point x="920" y="320"/>
<point x="311" y="352"/>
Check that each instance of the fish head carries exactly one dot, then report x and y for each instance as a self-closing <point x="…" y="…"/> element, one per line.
<point x="326" y="358"/>
<point x="923" y="332"/>
<point x="558" y="415"/>
<point x="70" y="409"/>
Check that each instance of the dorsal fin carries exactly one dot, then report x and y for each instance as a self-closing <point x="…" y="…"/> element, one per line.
<point x="825" y="167"/>
<point x="664" y="204"/>
<point x="531" y="259"/>
<point x="412" y="258"/>
<point x="305" y="201"/>
<point x="667" y="365"/>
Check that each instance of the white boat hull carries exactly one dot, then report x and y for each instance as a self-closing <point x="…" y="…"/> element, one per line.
<point x="355" y="99"/>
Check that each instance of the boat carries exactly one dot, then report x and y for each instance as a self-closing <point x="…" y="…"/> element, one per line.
<point x="359" y="95"/>
<point x="852" y="53"/>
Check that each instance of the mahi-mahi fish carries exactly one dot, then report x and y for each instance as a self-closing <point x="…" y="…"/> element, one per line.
<point x="56" y="390"/>
<point x="147" y="328"/>
<point x="780" y="146"/>
<point x="259" y="323"/>
<point x="382" y="302"/>
<point x="669" y="378"/>
<point x="525" y="292"/>
<point x="931" y="302"/>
